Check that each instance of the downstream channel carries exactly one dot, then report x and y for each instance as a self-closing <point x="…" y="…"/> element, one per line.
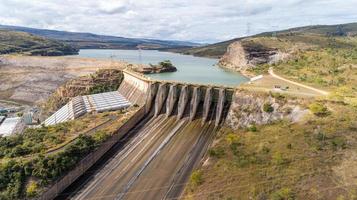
<point x="190" y="69"/>
<point x="156" y="157"/>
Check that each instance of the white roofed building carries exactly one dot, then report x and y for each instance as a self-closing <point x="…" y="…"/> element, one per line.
<point x="78" y="106"/>
<point x="11" y="125"/>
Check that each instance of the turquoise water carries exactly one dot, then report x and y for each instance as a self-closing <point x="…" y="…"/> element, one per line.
<point x="189" y="68"/>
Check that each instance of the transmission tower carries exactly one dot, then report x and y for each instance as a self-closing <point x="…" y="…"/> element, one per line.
<point x="248" y="28"/>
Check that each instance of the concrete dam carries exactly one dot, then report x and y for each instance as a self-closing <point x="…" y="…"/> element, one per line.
<point x="156" y="157"/>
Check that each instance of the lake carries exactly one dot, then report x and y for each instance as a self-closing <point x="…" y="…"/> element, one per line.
<point x="189" y="68"/>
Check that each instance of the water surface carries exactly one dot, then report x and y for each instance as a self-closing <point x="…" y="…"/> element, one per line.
<point x="189" y="68"/>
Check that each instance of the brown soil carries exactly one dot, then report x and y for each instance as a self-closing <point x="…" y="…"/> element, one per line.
<point x="32" y="79"/>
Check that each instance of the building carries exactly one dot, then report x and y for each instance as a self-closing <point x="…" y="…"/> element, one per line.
<point x="11" y="125"/>
<point x="28" y="118"/>
<point x="78" y="106"/>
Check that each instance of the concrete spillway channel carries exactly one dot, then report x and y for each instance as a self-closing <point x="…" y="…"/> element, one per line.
<point x="156" y="158"/>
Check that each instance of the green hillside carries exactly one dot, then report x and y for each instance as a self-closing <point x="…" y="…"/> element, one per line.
<point x="313" y="158"/>
<point x="306" y="35"/>
<point x="94" y="41"/>
<point x="20" y="42"/>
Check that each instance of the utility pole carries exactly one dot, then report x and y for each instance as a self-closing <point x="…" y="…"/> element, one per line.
<point x="140" y="56"/>
<point x="275" y="28"/>
<point x="248" y="29"/>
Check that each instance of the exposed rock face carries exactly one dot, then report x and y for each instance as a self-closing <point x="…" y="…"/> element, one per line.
<point x="235" y="58"/>
<point x="241" y="56"/>
<point x="248" y="109"/>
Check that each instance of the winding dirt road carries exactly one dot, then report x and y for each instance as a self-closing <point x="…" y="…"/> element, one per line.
<point x="322" y="92"/>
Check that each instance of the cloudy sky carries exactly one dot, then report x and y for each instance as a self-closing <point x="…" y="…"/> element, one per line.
<point x="192" y="20"/>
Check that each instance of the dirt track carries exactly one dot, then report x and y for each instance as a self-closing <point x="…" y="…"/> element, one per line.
<point x="30" y="79"/>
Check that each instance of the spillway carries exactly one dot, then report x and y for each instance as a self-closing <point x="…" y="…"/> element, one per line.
<point x="156" y="157"/>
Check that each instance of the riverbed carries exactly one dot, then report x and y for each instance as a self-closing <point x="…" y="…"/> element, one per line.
<point x="189" y="68"/>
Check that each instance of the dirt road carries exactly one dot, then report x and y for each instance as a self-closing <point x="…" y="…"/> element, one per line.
<point x="322" y="92"/>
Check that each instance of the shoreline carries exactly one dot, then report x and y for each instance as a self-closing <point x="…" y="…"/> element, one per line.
<point x="244" y="73"/>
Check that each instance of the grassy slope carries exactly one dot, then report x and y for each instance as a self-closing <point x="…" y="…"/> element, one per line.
<point x="330" y="67"/>
<point x="89" y="40"/>
<point x="313" y="159"/>
<point x="19" y="42"/>
<point x="218" y="49"/>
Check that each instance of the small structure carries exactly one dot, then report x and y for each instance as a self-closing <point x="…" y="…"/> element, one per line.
<point x="11" y="126"/>
<point x="28" y="118"/>
<point x="256" y="78"/>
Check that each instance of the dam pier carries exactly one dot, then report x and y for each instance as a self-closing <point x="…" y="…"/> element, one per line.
<point x="156" y="157"/>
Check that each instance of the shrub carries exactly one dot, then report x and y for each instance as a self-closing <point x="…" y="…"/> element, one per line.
<point x="278" y="159"/>
<point x="268" y="108"/>
<point x="252" y="128"/>
<point x="319" y="109"/>
<point x="283" y="194"/>
<point x="100" y="136"/>
<point x="166" y="64"/>
<point x="232" y="138"/>
<point x="32" y="189"/>
<point x="339" y="142"/>
<point x="196" y="178"/>
<point x="216" y="152"/>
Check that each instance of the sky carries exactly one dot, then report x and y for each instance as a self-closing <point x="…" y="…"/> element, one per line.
<point x="204" y="21"/>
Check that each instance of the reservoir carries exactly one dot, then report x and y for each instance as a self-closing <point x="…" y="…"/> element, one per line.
<point x="189" y="68"/>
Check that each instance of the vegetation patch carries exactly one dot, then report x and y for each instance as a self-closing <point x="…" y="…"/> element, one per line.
<point x="32" y="161"/>
<point x="319" y="109"/>
<point x="25" y="43"/>
<point x="268" y="108"/>
<point x="282" y="161"/>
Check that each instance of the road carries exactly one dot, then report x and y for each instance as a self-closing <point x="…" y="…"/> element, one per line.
<point x="154" y="164"/>
<point x="271" y="72"/>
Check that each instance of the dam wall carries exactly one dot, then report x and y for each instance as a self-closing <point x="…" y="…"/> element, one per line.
<point x="175" y="110"/>
<point x="192" y="101"/>
<point x="176" y="98"/>
<point x="134" y="87"/>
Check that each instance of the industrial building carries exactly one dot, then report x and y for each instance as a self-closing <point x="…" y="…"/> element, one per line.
<point x="81" y="105"/>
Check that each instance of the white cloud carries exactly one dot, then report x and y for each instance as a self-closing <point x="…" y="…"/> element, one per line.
<point x="195" y="20"/>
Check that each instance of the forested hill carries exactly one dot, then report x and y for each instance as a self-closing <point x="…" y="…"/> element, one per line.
<point x="295" y="35"/>
<point x="25" y="43"/>
<point x="94" y="41"/>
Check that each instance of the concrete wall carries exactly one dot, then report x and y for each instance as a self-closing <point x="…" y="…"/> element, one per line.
<point x="87" y="162"/>
<point x="134" y="87"/>
<point x="162" y="97"/>
<point x="190" y="100"/>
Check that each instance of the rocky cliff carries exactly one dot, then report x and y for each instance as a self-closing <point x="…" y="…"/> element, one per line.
<point x="243" y="55"/>
<point x="249" y="108"/>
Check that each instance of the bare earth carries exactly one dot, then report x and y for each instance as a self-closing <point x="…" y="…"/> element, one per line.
<point x="31" y="79"/>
